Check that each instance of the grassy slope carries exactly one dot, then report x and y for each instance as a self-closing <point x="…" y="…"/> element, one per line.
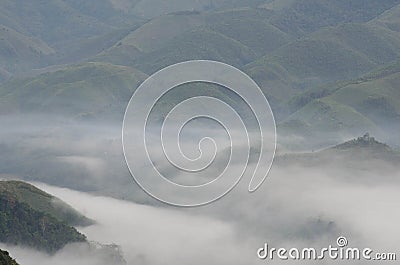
<point x="331" y="54"/>
<point x="389" y="19"/>
<point x="22" y="225"/>
<point x="50" y="21"/>
<point x="43" y="202"/>
<point x="256" y="34"/>
<point x="371" y="103"/>
<point x="365" y="154"/>
<point x="19" y="52"/>
<point x="157" y="32"/>
<point x="154" y="8"/>
<point x="85" y="90"/>
<point x="304" y="16"/>
<point x="74" y="29"/>
<point x="197" y="44"/>
<point x="164" y="36"/>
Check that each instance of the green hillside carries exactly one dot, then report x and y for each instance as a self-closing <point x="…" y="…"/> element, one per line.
<point x="376" y="43"/>
<point x="67" y="26"/>
<point x="19" y="52"/>
<point x="249" y="27"/>
<point x="364" y="153"/>
<point x="5" y="258"/>
<point x="301" y="17"/>
<point x="197" y="44"/>
<point x="50" y="21"/>
<point x="325" y="115"/>
<point x="257" y="34"/>
<point x="302" y="53"/>
<point x="43" y="202"/>
<point x="389" y="19"/>
<point x="156" y="33"/>
<point x="75" y="50"/>
<point x="22" y="224"/>
<point x="155" y="8"/>
<point x="371" y="103"/>
<point x="89" y="90"/>
<point x="326" y="56"/>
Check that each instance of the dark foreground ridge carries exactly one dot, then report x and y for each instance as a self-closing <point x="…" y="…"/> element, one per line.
<point x="29" y="224"/>
<point x="5" y="258"/>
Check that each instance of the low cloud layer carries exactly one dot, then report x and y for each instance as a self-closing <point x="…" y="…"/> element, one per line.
<point x="297" y="206"/>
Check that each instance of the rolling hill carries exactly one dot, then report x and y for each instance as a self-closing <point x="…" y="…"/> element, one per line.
<point x="360" y="153"/>
<point x="32" y="218"/>
<point x="195" y="45"/>
<point x="300" y="52"/>
<point x="86" y="90"/>
<point x="155" y="8"/>
<point x="246" y="27"/>
<point x="43" y="202"/>
<point x="300" y="17"/>
<point x="327" y="56"/>
<point x="20" y="53"/>
<point x="22" y="224"/>
<point x="389" y="19"/>
<point x="50" y="21"/>
<point x="371" y="103"/>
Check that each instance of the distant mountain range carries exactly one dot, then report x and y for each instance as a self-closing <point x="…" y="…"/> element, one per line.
<point x="330" y="70"/>
<point x="325" y="66"/>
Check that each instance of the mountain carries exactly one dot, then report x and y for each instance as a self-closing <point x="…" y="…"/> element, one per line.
<point x="22" y="224"/>
<point x="301" y="17"/>
<point x="20" y="52"/>
<point x="50" y="21"/>
<point x="43" y="202"/>
<point x="155" y="8"/>
<point x="195" y="45"/>
<point x="370" y="103"/>
<point x="5" y="258"/>
<point x="248" y="28"/>
<point x="88" y="90"/>
<point x="389" y="19"/>
<point x="328" y="55"/>
<point x="361" y="153"/>
<point x="83" y="59"/>
<point x="252" y="29"/>
<point x="41" y="33"/>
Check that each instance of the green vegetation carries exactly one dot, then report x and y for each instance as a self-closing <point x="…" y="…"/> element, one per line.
<point x="90" y="90"/>
<point x="19" y="52"/>
<point x="357" y="153"/>
<point x="197" y="44"/>
<point x="21" y="224"/>
<point x="313" y="59"/>
<point x="5" y="258"/>
<point x="371" y="103"/>
<point x="41" y="201"/>
<point x="332" y="54"/>
<point x="304" y="16"/>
